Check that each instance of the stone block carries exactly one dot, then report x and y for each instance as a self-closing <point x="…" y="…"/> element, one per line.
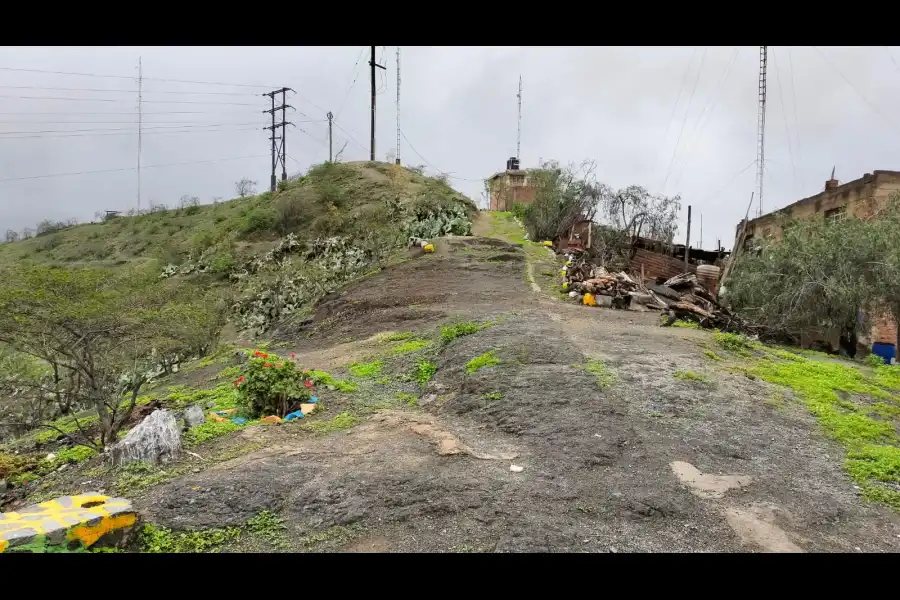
<point x="68" y="523"/>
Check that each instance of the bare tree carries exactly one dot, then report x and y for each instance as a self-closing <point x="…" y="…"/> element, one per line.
<point x="337" y="157"/>
<point x="11" y="236"/>
<point x="245" y="187"/>
<point x="27" y="233"/>
<point x="188" y="200"/>
<point x="638" y="213"/>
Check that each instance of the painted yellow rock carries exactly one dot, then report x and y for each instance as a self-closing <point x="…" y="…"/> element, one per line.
<point x="67" y="522"/>
<point x="428" y="248"/>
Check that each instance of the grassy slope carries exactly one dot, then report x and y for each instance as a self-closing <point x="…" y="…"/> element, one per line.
<point x="328" y="200"/>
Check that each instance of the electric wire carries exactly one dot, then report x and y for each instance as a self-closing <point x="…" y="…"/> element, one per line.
<point x="131" y="77"/>
<point x="70" y="99"/>
<point x="860" y="94"/>
<point x="355" y="75"/>
<point x="121" y="91"/>
<point x="686" y="112"/>
<point x="785" y="119"/>
<point x="684" y="80"/>
<point x="700" y="125"/>
<point x="447" y="173"/>
<point x="190" y="162"/>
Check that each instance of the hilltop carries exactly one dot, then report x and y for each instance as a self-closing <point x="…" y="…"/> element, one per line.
<point x="330" y="199"/>
<point x="287" y="248"/>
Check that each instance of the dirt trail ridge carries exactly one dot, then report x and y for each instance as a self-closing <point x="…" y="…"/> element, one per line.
<point x="643" y="462"/>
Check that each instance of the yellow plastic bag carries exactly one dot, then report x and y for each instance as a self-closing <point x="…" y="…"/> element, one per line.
<point x="428" y="248"/>
<point x="565" y="285"/>
<point x="588" y="300"/>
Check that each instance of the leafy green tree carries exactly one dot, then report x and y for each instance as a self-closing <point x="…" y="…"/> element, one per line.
<point x="99" y="334"/>
<point x="823" y="273"/>
<point x="562" y="196"/>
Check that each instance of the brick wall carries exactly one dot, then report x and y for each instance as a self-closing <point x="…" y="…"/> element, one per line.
<point x="658" y="265"/>
<point x="884" y="329"/>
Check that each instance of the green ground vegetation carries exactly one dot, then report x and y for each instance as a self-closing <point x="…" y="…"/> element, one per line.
<point x="857" y="405"/>
<point x="691" y="376"/>
<point x="601" y="372"/>
<point x="366" y="370"/>
<point x="488" y="359"/>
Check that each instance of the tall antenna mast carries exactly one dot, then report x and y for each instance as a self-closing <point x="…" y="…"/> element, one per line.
<point x="140" y="119"/>
<point x="761" y="124"/>
<point x="519" y="128"/>
<point x="397" y="158"/>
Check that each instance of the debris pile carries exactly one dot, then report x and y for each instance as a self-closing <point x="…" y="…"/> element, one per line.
<point x="585" y="282"/>
<point x="686" y="299"/>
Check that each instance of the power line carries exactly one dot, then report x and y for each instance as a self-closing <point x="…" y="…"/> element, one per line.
<point x="130" y="129"/>
<point x="132" y="132"/>
<point x="700" y="125"/>
<point x="355" y="75"/>
<point x="132" y="77"/>
<point x="794" y="100"/>
<point x="684" y="121"/>
<point x="350" y="137"/>
<point x="108" y="113"/>
<point x="730" y="181"/>
<point x="431" y="165"/>
<point x="896" y="66"/>
<point x="70" y="99"/>
<point x="785" y="119"/>
<point x="684" y="81"/>
<point x="190" y="162"/>
<point x="860" y="94"/>
<point x="120" y="91"/>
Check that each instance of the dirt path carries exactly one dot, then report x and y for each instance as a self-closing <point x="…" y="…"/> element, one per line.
<point x="544" y="450"/>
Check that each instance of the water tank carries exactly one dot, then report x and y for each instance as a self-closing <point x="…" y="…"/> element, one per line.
<point x="708" y="277"/>
<point x="512" y="164"/>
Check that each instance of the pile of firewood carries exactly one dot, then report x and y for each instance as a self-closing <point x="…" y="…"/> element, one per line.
<point x="687" y="300"/>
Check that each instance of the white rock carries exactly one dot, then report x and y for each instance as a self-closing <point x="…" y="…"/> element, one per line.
<point x="155" y="440"/>
<point x="516" y="468"/>
<point x="50" y="456"/>
<point x="193" y="416"/>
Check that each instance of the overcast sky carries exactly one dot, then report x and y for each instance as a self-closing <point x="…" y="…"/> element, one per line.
<point x="674" y="120"/>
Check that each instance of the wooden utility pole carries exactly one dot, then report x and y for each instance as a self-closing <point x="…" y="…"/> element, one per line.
<point x="330" y="117"/>
<point x="372" y="65"/>
<point x="687" y="242"/>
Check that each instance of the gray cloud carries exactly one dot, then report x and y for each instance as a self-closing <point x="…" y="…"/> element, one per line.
<point x="613" y="105"/>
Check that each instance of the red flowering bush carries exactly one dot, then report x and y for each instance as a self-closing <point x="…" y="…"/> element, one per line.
<point x="270" y="385"/>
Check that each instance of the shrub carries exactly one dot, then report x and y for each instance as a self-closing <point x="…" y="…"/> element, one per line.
<point x="258" y="219"/>
<point x="424" y="372"/>
<point x="269" y="385"/>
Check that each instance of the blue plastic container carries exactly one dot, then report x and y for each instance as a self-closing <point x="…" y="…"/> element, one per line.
<point x="885" y="351"/>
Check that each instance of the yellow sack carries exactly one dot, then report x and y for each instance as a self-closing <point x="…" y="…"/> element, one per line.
<point x="588" y="300"/>
<point x="428" y="248"/>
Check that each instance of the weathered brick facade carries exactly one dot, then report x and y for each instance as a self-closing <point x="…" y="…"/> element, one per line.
<point x="861" y="197"/>
<point x="508" y="188"/>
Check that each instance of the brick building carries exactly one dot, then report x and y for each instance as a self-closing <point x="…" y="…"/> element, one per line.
<point x="860" y="197"/>
<point x="510" y="187"/>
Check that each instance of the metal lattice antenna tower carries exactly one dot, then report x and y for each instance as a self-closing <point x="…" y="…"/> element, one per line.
<point x="397" y="158"/>
<point x="519" y="128"/>
<point x="140" y="123"/>
<point x="761" y="127"/>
